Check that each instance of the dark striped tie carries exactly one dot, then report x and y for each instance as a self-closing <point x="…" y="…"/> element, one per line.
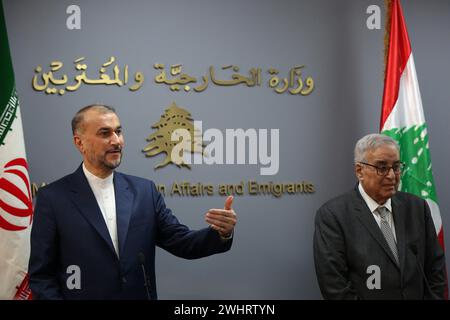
<point x="387" y="232"/>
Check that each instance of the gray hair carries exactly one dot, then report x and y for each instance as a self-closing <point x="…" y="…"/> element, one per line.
<point x="79" y="116"/>
<point x="370" y="142"/>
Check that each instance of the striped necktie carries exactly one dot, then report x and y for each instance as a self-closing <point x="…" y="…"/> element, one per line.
<point x="387" y="232"/>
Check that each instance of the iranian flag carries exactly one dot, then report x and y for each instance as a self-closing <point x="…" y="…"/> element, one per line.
<point x="16" y="209"/>
<point x="402" y="116"/>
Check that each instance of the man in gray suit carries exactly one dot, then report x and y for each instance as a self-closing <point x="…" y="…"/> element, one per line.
<point x="375" y="242"/>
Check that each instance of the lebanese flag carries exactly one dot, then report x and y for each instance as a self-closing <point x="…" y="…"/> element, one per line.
<point x="402" y="117"/>
<point x="16" y="208"/>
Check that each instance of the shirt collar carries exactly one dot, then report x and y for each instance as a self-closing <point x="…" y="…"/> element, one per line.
<point x="372" y="204"/>
<point x="96" y="181"/>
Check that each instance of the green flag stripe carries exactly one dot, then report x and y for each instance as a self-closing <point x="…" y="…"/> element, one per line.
<point x="8" y="115"/>
<point x="6" y="69"/>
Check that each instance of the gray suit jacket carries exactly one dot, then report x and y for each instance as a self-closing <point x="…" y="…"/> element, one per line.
<point x="347" y="240"/>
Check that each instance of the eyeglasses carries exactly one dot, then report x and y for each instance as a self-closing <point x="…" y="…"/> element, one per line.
<point x="384" y="170"/>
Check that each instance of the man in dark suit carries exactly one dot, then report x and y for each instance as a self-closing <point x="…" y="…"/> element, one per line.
<point x="95" y="230"/>
<point x="375" y="242"/>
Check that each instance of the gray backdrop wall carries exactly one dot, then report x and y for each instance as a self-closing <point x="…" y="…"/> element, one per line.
<point x="272" y="253"/>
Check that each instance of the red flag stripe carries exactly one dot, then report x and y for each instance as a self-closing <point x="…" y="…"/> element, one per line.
<point x="23" y="291"/>
<point x="398" y="55"/>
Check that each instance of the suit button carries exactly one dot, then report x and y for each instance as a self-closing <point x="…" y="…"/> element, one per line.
<point x="124" y="280"/>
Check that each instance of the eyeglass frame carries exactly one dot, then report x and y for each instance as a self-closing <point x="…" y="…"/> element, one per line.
<point x="401" y="165"/>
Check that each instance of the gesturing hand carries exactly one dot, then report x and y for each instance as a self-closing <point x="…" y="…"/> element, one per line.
<point x="222" y="220"/>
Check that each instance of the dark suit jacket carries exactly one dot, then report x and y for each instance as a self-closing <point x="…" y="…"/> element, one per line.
<point x="347" y="240"/>
<point x="69" y="229"/>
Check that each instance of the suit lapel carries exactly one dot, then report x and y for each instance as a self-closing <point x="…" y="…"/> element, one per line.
<point x="84" y="199"/>
<point x="399" y="214"/>
<point x="366" y="217"/>
<point x="124" y="204"/>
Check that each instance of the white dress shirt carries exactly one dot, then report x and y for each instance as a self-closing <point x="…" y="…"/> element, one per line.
<point x="373" y="206"/>
<point x="104" y="194"/>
